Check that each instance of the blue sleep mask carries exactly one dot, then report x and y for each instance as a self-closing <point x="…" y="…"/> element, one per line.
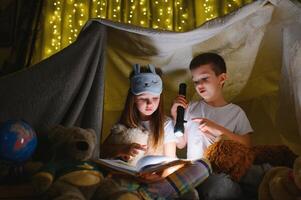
<point x="146" y="82"/>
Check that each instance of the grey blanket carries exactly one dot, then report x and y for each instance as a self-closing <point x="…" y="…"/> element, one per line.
<point x="67" y="88"/>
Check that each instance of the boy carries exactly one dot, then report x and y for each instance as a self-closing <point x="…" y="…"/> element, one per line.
<point x="209" y="119"/>
<point x="212" y="117"/>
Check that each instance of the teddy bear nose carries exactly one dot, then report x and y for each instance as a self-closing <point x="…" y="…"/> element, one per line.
<point x="83" y="146"/>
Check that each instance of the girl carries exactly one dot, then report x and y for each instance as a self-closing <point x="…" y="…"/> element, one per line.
<point x="144" y="110"/>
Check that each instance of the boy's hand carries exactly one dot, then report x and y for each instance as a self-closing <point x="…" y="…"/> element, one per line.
<point x="131" y="150"/>
<point x="209" y="128"/>
<point x="180" y="100"/>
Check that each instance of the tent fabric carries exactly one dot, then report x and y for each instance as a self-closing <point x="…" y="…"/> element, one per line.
<point x="87" y="80"/>
<point x="252" y="42"/>
<point x="65" y="89"/>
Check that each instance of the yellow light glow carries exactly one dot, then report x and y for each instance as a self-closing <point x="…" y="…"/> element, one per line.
<point x="166" y="15"/>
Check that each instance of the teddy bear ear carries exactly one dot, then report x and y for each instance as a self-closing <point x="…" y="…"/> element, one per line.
<point x="118" y="129"/>
<point x="92" y="133"/>
<point x="56" y="132"/>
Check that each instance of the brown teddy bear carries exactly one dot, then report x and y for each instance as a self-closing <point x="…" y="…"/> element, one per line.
<point x="282" y="183"/>
<point x="230" y="157"/>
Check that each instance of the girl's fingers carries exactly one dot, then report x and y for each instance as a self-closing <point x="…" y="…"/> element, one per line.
<point x="134" y="152"/>
<point x="125" y="157"/>
<point x="142" y="147"/>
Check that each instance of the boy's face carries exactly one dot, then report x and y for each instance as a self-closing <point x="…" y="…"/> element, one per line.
<point x="207" y="84"/>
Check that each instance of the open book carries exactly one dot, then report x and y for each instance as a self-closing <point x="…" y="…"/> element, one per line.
<point x="146" y="164"/>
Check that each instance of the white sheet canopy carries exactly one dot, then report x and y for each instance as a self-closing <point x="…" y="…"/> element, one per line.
<point x="261" y="44"/>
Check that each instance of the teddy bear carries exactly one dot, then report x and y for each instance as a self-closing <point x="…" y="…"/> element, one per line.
<point x="71" y="173"/>
<point x="230" y="157"/>
<point x="120" y="134"/>
<point x="69" y="168"/>
<point x="282" y="183"/>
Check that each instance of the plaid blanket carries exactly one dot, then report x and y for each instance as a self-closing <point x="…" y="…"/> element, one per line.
<point x="172" y="186"/>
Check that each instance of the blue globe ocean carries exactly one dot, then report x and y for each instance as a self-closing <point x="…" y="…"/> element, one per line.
<point x="17" y="141"/>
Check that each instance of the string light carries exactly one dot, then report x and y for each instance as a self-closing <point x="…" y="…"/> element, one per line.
<point x="174" y="15"/>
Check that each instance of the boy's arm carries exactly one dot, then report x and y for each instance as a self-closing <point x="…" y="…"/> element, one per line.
<point x="212" y="129"/>
<point x="182" y="141"/>
<point x="243" y="138"/>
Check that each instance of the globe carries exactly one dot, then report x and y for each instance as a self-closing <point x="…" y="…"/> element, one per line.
<point x="17" y="140"/>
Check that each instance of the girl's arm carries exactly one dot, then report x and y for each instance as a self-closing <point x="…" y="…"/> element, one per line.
<point x="170" y="149"/>
<point x="111" y="150"/>
<point x="125" y="151"/>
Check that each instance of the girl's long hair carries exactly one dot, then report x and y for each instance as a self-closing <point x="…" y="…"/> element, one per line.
<point x="130" y="115"/>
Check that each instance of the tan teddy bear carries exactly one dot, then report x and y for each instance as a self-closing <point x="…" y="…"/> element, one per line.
<point x="69" y="169"/>
<point x="282" y="183"/>
<point x="70" y="174"/>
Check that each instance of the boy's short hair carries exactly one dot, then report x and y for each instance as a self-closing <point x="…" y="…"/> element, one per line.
<point x="217" y="62"/>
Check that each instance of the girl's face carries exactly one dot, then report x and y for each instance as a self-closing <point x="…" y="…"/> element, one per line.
<point x="207" y="84"/>
<point x="146" y="104"/>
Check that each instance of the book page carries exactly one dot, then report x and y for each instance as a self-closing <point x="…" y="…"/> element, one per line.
<point x="151" y="160"/>
<point x="118" y="165"/>
<point x="146" y="164"/>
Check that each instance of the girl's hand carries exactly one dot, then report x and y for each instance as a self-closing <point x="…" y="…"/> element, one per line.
<point x="180" y="100"/>
<point x="128" y="151"/>
<point x="150" y="177"/>
<point x="209" y="128"/>
<point x="157" y="176"/>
